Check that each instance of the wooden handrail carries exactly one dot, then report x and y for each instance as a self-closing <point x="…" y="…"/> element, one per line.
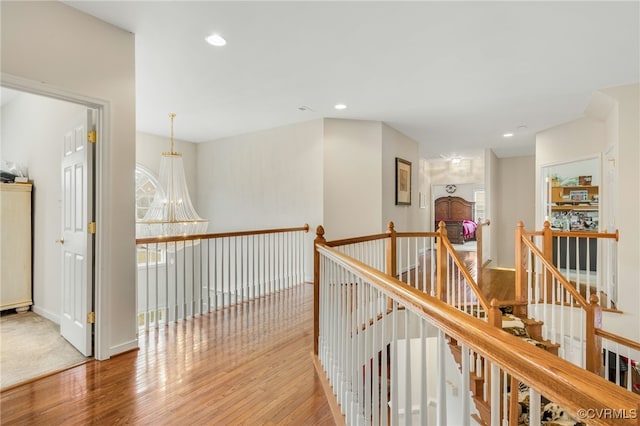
<point x="618" y="339"/>
<point x="576" y="234"/>
<point x="195" y="237"/>
<point x="532" y="233"/>
<point x="584" y="234"/>
<point x="485" y="222"/>
<point x="554" y="271"/>
<point x="561" y="381"/>
<point x="373" y="237"/>
<point x="356" y="240"/>
<point x="429" y="234"/>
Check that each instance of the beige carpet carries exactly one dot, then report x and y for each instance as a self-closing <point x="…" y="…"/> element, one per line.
<point x="31" y="346"/>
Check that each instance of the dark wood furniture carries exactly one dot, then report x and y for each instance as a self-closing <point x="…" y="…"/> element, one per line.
<point x="453" y="211"/>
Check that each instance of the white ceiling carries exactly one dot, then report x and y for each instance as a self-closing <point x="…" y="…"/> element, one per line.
<point x="454" y="76"/>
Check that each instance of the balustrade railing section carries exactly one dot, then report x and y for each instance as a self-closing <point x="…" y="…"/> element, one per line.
<point x="549" y="268"/>
<point x="620" y="358"/>
<point x="181" y="277"/>
<point x="586" y="259"/>
<point x="394" y="354"/>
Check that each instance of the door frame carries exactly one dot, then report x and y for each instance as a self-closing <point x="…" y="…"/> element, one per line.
<point x="102" y="193"/>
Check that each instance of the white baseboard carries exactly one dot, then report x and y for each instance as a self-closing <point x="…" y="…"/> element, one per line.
<point x="46" y="314"/>
<point x="124" y="347"/>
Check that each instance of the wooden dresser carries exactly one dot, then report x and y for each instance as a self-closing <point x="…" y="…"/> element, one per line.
<point x="15" y="246"/>
<point x="453" y="211"/>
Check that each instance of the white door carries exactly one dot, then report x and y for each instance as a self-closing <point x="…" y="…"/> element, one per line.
<point x="77" y="247"/>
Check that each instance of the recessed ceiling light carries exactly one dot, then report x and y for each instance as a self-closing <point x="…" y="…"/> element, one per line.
<point x="507" y="135"/>
<point x="340" y="106"/>
<point x="216" y="40"/>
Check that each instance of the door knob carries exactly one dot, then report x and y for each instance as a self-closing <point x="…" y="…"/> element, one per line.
<point x="61" y="241"/>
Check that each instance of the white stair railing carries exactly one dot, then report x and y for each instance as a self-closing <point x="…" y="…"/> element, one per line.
<point x="621" y="360"/>
<point x="182" y="277"/>
<point x="587" y="259"/>
<point x="416" y="260"/>
<point x="382" y="346"/>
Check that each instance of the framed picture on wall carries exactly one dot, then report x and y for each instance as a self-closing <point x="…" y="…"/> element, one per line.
<point x="403" y="182"/>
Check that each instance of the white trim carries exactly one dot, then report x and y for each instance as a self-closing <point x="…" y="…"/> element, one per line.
<point x="124" y="347"/>
<point x="45" y="313"/>
<point x="102" y="196"/>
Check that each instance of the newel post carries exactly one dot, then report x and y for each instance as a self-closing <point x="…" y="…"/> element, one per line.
<point x="392" y="267"/>
<point x="441" y="262"/>
<point x="547" y="241"/>
<point x="316" y="286"/>
<point x="594" y="342"/>
<point x="495" y="314"/>
<point x="521" y="265"/>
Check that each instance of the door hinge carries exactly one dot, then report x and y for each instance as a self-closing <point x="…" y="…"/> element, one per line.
<point x="91" y="318"/>
<point x="91" y="228"/>
<point x="92" y="136"/>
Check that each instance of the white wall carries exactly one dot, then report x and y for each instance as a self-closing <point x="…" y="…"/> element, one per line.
<point x="468" y="176"/>
<point x="588" y="137"/>
<point x="60" y="50"/>
<point x="466" y="171"/>
<point x="463" y="190"/>
<point x="352" y="176"/>
<point x="149" y="149"/>
<point x="580" y="139"/>
<point x="330" y="172"/>
<point x="405" y="218"/>
<point x="627" y="113"/>
<point x="33" y="129"/>
<point x="267" y="179"/>
<point x="516" y="189"/>
<point x="424" y="190"/>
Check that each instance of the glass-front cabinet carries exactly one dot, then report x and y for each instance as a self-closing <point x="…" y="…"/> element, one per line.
<point x="573" y="196"/>
<point x="572" y="204"/>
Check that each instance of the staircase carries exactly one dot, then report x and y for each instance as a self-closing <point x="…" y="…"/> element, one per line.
<point x="530" y="330"/>
<point x="476" y="386"/>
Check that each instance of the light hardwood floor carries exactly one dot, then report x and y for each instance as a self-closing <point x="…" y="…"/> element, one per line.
<point x="245" y="365"/>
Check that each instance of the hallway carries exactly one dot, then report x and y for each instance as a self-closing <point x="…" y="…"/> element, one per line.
<point x="249" y="364"/>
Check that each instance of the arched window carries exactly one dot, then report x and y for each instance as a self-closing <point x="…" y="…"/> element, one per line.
<point x="146" y="185"/>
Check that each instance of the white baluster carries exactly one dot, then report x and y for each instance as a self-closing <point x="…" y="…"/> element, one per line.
<point x="442" y="392"/>
<point x="466" y="394"/>
<point x="495" y="395"/>
<point x="534" y="407"/>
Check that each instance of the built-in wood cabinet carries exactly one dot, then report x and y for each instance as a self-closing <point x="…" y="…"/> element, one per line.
<point x="574" y="208"/>
<point x="15" y="246"/>
<point x="574" y="198"/>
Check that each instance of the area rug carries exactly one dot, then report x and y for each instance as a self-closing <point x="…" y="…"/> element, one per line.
<point x="31" y="346"/>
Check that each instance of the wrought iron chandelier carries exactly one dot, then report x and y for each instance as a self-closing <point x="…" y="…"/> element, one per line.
<point x="171" y="212"/>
